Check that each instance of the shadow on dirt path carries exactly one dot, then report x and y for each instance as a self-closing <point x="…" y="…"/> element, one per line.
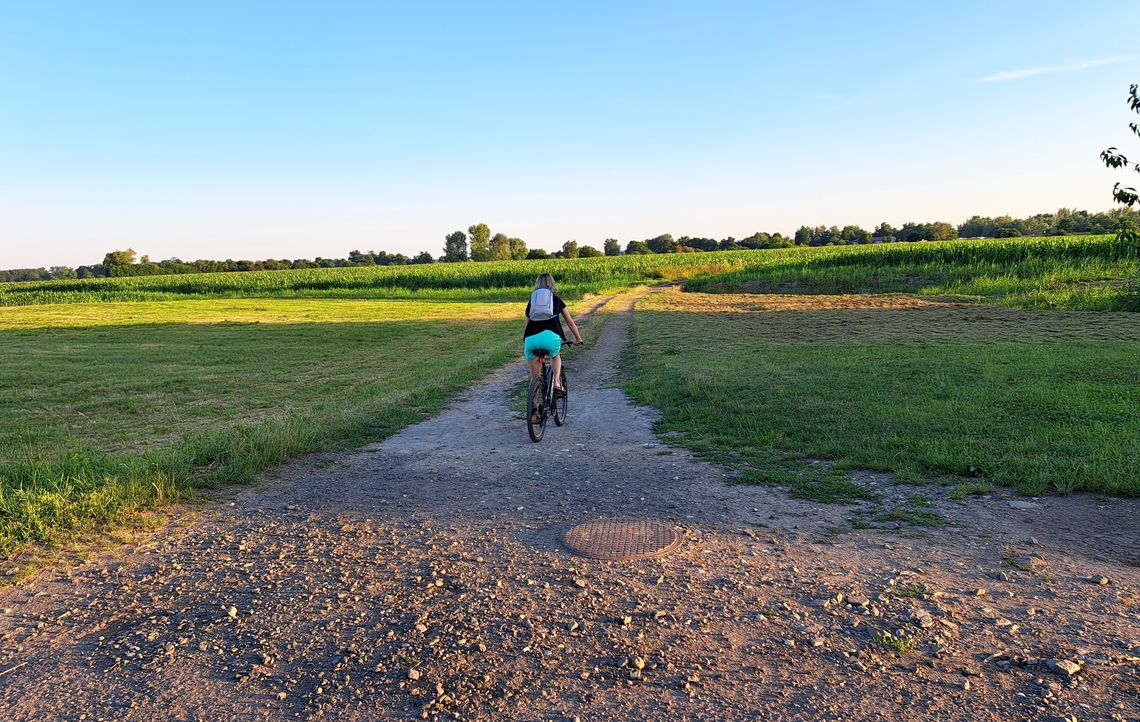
<point x="424" y="577"/>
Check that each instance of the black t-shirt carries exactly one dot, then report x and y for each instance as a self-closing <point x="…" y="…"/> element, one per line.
<point x="533" y="327"/>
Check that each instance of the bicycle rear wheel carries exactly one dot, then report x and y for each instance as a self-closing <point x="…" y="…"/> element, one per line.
<point x="536" y="409"/>
<point x="562" y="403"/>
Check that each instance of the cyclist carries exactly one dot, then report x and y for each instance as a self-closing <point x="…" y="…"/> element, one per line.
<point x="543" y="330"/>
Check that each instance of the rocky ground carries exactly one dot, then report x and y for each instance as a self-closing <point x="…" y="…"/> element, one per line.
<point x="425" y="577"/>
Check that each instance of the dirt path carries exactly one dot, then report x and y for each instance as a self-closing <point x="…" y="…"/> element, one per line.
<point x="424" y="576"/>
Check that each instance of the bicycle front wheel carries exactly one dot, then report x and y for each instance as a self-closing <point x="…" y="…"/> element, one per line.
<point x="562" y="402"/>
<point x="536" y="410"/>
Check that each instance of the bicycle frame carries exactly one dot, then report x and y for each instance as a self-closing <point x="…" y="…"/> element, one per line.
<point x="547" y="407"/>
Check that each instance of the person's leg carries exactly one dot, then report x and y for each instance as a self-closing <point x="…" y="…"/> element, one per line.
<point x="535" y="366"/>
<point x="556" y="366"/>
<point x="531" y="359"/>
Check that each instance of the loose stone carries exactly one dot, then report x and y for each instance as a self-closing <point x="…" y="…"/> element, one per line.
<point x="1063" y="667"/>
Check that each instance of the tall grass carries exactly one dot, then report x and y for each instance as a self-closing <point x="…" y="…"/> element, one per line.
<point x="49" y="499"/>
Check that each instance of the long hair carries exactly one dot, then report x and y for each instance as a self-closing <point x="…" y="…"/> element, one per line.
<point x="545" y="280"/>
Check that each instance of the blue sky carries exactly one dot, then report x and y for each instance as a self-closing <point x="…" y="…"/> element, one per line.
<point x="295" y="129"/>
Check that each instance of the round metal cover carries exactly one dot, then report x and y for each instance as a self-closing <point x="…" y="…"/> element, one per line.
<point x="622" y="540"/>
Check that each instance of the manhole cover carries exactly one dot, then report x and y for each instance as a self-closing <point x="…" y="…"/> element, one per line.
<point x="622" y="540"/>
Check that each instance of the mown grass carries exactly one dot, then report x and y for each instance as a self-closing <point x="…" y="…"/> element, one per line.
<point x="110" y="409"/>
<point x="1093" y="273"/>
<point x="1036" y="400"/>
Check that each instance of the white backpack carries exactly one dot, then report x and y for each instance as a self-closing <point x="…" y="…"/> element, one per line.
<point x="541" y="304"/>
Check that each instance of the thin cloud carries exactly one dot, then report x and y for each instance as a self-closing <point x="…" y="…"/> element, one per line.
<point x="1029" y="72"/>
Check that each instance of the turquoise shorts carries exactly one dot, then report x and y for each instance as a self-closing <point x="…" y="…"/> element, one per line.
<point x="547" y="341"/>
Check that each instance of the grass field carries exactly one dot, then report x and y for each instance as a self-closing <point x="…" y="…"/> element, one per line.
<point x="123" y="393"/>
<point x="113" y="407"/>
<point x="968" y="394"/>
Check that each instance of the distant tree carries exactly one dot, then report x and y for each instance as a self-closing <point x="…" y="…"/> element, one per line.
<point x="94" y="271"/>
<point x="804" y="236"/>
<point x="589" y="252"/>
<point x="15" y="275"/>
<point x="941" y="231"/>
<point x="886" y="231"/>
<point x="538" y="253"/>
<point x="570" y="249"/>
<point x="61" y="272"/>
<point x="1007" y="232"/>
<point x="356" y="258"/>
<point x="820" y="236"/>
<point x="728" y="244"/>
<point x="145" y="267"/>
<point x="118" y="263"/>
<point x="663" y="243"/>
<point x="701" y="244"/>
<point x="977" y="227"/>
<point x="480" y="242"/>
<point x="455" y="247"/>
<point x="636" y="248"/>
<point x="612" y="247"/>
<point x="423" y="257"/>
<point x="500" y="247"/>
<point x="756" y="240"/>
<point x="1113" y="158"/>
<point x="518" y="248"/>
<point x="911" y="232"/>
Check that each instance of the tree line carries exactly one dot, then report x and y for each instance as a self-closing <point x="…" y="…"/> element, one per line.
<point x="478" y="244"/>
<point x="128" y="263"/>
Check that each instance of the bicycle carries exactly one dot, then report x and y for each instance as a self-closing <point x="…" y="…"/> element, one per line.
<point x="542" y="403"/>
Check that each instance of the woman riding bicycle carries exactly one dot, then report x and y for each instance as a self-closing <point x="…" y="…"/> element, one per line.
<point x="543" y="331"/>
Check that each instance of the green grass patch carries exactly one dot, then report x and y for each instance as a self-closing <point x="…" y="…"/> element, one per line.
<point x="1035" y="400"/>
<point x="920" y="501"/>
<point x="123" y="407"/>
<point x="899" y="644"/>
<point x="915" y="517"/>
<point x="910" y="591"/>
<point x="1016" y="564"/>
<point x="970" y="488"/>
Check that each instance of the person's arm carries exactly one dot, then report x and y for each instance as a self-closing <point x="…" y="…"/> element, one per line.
<point x="573" y="326"/>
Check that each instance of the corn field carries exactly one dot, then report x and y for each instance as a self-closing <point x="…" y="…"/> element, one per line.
<point x="1096" y="273"/>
